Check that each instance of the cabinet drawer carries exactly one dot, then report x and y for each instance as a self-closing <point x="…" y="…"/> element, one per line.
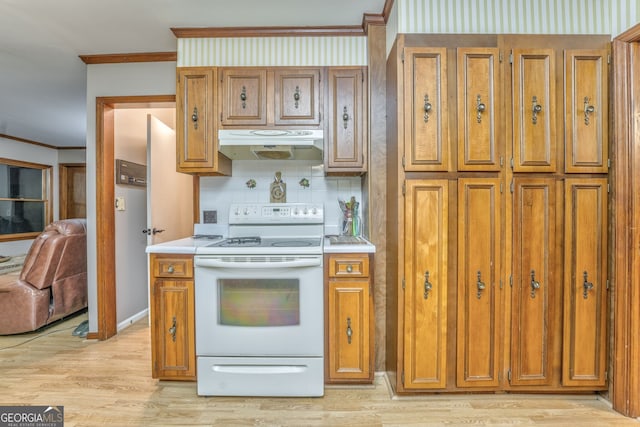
<point x="349" y="266"/>
<point x="173" y="267"/>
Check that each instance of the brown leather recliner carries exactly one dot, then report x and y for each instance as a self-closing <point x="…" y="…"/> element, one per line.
<point x="53" y="280"/>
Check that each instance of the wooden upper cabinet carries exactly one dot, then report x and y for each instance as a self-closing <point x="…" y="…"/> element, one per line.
<point x="346" y="137"/>
<point x="479" y="109"/>
<point x="243" y="96"/>
<point x="297" y="96"/>
<point x="536" y="287"/>
<point x="424" y="307"/>
<point x="426" y="122"/>
<point x="586" y="109"/>
<point x="534" y="111"/>
<point x="479" y="265"/>
<point x="196" y="146"/>
<point x="585" y="283"/>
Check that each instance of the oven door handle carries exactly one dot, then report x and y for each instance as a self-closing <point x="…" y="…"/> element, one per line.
<point x="271" y="264"/>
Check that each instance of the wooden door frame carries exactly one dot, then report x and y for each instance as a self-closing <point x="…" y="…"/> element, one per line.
<point x="105" y="214"/>
<point x="625" y="378"/>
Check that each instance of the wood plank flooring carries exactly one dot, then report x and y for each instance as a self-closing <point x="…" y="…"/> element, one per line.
<point x="109" y="383"/>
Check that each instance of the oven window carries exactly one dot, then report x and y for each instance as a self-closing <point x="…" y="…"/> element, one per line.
<point x="259" y="302"/>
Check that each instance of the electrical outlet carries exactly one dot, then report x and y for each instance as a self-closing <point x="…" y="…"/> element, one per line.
<point x="210" y="217"/>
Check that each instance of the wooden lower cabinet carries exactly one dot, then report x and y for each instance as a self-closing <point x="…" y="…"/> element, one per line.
<point x="349" y="319"/>
<point x="172" y="317"/>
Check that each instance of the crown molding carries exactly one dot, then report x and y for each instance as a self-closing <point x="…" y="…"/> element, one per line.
<point x="40" y="144"/>
<point x="226" y="32"/>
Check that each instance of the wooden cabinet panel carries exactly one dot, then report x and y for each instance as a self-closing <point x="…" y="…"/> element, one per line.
<point x="586" y="109"/>
<point x="172" y="320"/>
<point x="478" y="274"/>
<point x="585" y="283"/>
<point x="426" y="122"/>
<point x="479" y="109"/>
<point x="347" y="120"/>
<point x="349" y="330"/>
<point x="536" y="287"/>
<point x="534" y="110"/>
<point x="297" y="96"/>
<point x="194" y="118"/>
<point x="244" y="96"/>
<point x="349" y="265"/>
<point x="425" y="295"/>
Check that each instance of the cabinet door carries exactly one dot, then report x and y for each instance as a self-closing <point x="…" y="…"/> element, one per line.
<point x="173" y="351"/>
<point x="478" y="338"/>
<point x="534" y="110"/>
<point x="536" y="286"/>
<point x="585" y="283"/>
<point x="425" y="294"/>
<point x="244" y="96"/>
<point x="479" y="109"/>
<point x="348" y="323"/>
<point x="426" y="119"/>
<point x="297" y="96"/>
<point x="586" y="100"/>
<point x="195" y="133"/>
<point x="345" y="143"/>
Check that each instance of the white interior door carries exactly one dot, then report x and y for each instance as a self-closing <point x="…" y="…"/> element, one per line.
<point x="169" y="193"/>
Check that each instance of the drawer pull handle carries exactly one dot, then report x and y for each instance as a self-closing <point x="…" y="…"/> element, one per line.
<point x="427" y="108"/>
<point x="535" y="109"/>
<point x="480" y="285"/>
<point x="586" y="285"/>
<point x="171" y="269"/>
<point x="172" y="330"/>
<point x="588" y="109"/>
<point x="349" y="268"/>
<point x="194" y="118"/>
<point x="535" y="285"/>
<point x="349" y="330"/>
<point x="480" y="108"/>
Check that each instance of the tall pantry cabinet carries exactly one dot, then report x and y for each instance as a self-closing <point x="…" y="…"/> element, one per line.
<point x="498" y="175"/>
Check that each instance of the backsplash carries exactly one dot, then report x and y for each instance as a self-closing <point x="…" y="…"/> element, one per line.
<point x="217" y="193"/>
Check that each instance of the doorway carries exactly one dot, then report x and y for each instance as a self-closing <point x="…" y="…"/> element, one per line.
<point x="73" y="194"/>
<point x="107" y="321"/>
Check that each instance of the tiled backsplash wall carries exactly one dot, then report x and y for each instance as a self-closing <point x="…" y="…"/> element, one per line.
<point x="216" y="193"/>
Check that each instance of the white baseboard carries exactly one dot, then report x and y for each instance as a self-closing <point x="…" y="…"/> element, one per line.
<point x="133" y="319"/>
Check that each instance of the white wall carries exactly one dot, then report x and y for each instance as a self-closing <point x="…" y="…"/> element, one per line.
<point x="15" y="150"/>
<point x="157" y="78"/>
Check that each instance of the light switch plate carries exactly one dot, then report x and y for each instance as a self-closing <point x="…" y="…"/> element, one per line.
<point x="120" y="204"/>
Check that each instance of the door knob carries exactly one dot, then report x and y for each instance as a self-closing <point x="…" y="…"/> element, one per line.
<point x="146" y="231"/>
<point x="156" y="231"/>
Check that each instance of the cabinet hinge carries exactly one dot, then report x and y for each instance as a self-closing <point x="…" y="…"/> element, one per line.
<point x="509" y="375"/>
<point x="404" y="162"/>
<point x="511" y="186"/>
<point x="404" y="188"/>
<point x="403" y="283"/>
<point x="510" y="57"/>
<point x="608" y="188"/>
<point x="511" y="162"/>
<point x="608" y="163"/>
<point x="500" y="56"/>
<point x="402" y="378"/>
<point x="501" y="161"/>
<point x="500" y="283"/>
<point x="402" y="56"/>
<point x="608" y="58"/>
<point x="511" y="280"/>
<point x="501" y="189"/>
<point x="607" y="284"/>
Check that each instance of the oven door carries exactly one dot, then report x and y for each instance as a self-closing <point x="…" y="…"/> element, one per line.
<point x="269" y="306"/>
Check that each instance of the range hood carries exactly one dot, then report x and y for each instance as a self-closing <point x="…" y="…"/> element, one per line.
<point x="271" y="144"/>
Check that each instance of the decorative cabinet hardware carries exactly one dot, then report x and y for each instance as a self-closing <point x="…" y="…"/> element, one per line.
<point x="349" y="330"/>
<point x="345" y="116"/>
<point x="586" y="286"/>
<point x="535" y="109"/>
<point x="349" y="268"/>
<point x="480" y="108"/>
<point x="172" y="329"/>
<point x="296" y="97"/>
<point x="588" y="109"/>
<point x="171" y="269"/>
<point x="535" y="285"/>
<point x="243" y="96"/>
<point x="427" y="108"/>
<point x="194" y="118"/>
<point x="427" y="285"/>
<point x="480" y="285"/>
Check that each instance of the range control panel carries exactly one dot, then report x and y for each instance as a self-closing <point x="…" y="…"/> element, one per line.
<point x="276" y="213"/>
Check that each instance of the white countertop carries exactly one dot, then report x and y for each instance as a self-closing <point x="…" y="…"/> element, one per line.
<point x="188" y="245"/>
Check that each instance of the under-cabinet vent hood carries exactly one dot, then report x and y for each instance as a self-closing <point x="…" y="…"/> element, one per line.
<point x="271" y="144"/>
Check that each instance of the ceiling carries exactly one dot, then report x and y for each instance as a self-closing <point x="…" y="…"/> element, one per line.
<point x="43" y="84"/>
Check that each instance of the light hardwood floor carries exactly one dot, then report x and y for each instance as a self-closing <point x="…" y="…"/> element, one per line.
<point x="109" y="383"/>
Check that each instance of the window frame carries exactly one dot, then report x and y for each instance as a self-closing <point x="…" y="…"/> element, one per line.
<point x="47" y="193"/>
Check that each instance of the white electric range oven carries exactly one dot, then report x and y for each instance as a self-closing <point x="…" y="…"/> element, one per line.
<point x="259" y="304"/>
